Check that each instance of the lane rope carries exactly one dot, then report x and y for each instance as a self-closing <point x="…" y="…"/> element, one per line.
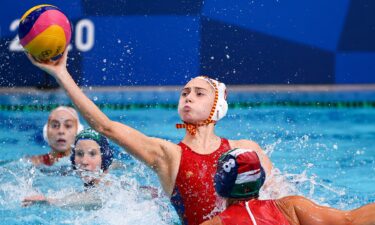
<point x="114" y="106"/>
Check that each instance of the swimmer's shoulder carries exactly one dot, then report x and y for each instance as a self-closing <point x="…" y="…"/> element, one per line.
<point x="244" y="143"/>
<point x="252" y="145"/>
<point x="167" y="145"/>
<point x="169" y="150"/>
<point x="37" y="160"/>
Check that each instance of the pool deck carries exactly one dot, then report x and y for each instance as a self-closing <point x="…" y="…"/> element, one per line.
<point x="252" y="88"/>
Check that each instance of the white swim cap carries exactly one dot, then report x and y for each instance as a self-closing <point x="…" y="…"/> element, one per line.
<point x="72" y="112"/>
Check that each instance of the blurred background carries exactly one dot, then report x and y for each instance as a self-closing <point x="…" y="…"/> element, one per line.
<point x="166" y="42"/>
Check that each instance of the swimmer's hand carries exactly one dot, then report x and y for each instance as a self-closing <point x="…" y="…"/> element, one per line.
<point x="35" y="199"/>
<point x="52" y="67"/>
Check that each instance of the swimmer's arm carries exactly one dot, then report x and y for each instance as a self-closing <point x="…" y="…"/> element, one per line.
<point x="300" y="210"/>
<point x="85" y="200"/>
<point x="153" y="151"/>
<point x="214" y="221"/>
<point x="35" y="199"/>
<point x="35" y="160"/>
<point x="79" y="200"/>
<point x="264" y="159"/>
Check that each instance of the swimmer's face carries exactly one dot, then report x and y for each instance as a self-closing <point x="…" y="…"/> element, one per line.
<point x="196" y="101"/>
<point x="61" y="130"/>
<point x="88" y="156"/>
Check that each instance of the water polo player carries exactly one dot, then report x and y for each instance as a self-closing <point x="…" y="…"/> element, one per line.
<point x="239" y="178"/>
<point x="59" y="132"/>
<point x="91" y="158"/>
<point x="185" y="170"/>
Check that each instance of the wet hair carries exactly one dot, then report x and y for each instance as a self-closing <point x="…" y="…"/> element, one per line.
<point x="105" y="151"/>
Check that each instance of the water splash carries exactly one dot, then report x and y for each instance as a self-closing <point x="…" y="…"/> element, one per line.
<point x="123" y="201"/>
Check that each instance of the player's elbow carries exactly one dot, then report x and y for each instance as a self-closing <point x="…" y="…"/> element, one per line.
<point x="106" y="128"/>
<point x="349" y="218"/>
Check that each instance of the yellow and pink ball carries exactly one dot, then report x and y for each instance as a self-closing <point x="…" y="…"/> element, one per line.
<point x="44" y="32"/>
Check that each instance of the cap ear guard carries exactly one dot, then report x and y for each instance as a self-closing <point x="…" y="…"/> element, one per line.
<point x="221" y="107"/>
<point x="226" y="175"/>
<point x="80" y="127"/>
<point x="45" y="136"/>
<point x="222" y="104"/>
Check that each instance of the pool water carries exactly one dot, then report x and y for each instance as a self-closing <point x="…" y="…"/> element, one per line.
<point x="326" y="153"/>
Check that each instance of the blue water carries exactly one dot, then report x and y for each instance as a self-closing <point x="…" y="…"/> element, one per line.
<point x="326" y="154"/>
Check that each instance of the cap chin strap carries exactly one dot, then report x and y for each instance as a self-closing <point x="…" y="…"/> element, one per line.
<point x="192" y="128"/>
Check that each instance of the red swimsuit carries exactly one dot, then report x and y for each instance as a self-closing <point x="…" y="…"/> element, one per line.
<point x="194" y="196"/>
<point x="48" y="161"/>
<point x="261" y="212"/>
